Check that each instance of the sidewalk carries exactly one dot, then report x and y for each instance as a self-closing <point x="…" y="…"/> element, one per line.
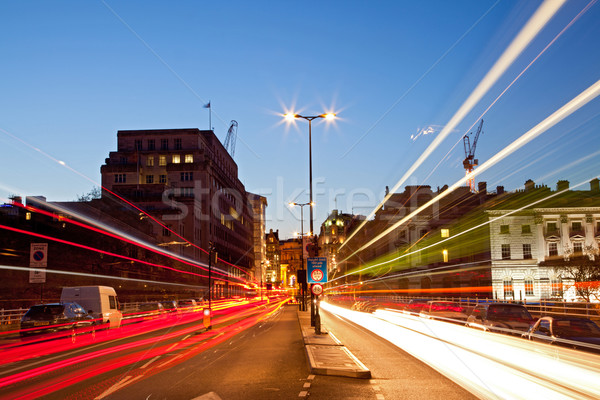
<point x="326" y="354"/>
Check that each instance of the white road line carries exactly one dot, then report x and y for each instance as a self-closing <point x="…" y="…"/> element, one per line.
<point x="114" y="388"/>
<point x="150" y="362"/>
<point x="307" y="385"/>
<point x="311" y="377"/>
<point x="303" y="393"/>
<point x="169" y="349"/>
<point x="380" y="396"/>
<point x="186" y="337"/>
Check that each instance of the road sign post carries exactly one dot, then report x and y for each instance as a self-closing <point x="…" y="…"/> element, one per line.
<point x="316" y="271"/>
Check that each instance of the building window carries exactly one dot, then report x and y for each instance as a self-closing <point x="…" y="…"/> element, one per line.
<point x="551" y="228"/>
<point x="162" y="179"/>
<point x="527" y="251"/>
<point x="164" y="144"/>
<point x="504" y="229"/>
<point x="556" y="283"/>
<point x="177" y="144"/>
<point x="151" y="144"/>
<point x="138" y="144"/>
<point x="508" y="288"/>
<point x="162" y="161"/>
<point x="189" y="158"/>
<point x="187" y="176"/>
<point x="150" y="161"/>
<point x="528" y="287"/>
<point x="525" y="228"/>
<point x="120" y="178"/>
<point x="445" y="233"/>
<point x="149" y="178"/>
<point x="575" y="226"/>
<point x="578" y="247"/>
<point x="186" y="192"/>
<point x="176" y="159"/>
<point x="445" y="255"/>
<point x="166" y="232"/>
<point x="506" y="251"/>
<point x="552" y="249"/>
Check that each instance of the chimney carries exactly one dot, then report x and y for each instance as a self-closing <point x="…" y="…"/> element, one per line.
<point x="562" y="185"/>
<point x="529" y="185"/>
<point x="482" y="186"/>
<point x="499" y="189"/>
<point x="595" y="185"/>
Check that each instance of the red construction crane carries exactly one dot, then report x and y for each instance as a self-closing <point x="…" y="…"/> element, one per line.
<point x="470" y="161"/>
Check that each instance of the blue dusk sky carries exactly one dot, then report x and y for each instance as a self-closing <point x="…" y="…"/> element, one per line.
<point x="73" y="73"/>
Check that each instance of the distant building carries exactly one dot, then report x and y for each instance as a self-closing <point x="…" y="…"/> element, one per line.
<point x="273" y="262"/>
<point x="334" y="231"/>
<point x="259" y="206"/>
<point x="187" y="181"/>
<point x="291" y="261"/>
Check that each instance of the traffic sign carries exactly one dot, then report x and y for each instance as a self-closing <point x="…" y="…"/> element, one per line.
<point x="38" y="260"/>
<point x="317" y="289"/>
<point x="316" y="269"/>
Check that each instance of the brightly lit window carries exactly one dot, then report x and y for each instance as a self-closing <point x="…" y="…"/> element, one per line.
<point x="508" y="288"/>
<point x="556" y="283"/>
<point x="528" y="287"/>
<point x="445" y="233"/>
<point x="189" y="158"/>
<point x="162" y="161"/>
<point x="176" y="159"/>
<point x="445" y="255"/>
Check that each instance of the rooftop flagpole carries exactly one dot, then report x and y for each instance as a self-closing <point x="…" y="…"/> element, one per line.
<point x="207" y="105"/>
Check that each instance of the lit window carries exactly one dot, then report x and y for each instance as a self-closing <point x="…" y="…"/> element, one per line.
<point x="508" y="288"/>
<point x="176" y="158"/>
<point x="189" y="158"/>
<point x="445" y="233"/>
<point x="556" y="283"/>
<point x="28" y="216"/>
<point x="150" y="161"/>
<point x="162" y="161"/>
<point x="445" y="255"/>
<point x="528" y="287"/>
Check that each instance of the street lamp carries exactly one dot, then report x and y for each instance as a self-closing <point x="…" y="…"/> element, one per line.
<point x="309" y="118"/>
<point x="303" y="285"/>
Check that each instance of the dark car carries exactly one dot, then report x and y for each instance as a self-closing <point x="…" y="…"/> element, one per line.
<point x="566" y="331"/>
<point x="500" y="317"/>
<point x="69" y="318"/>
<point x="150" y="310"/>
<point x="189" y="305"/>
<point x="170" y="306"/>
<point x="444" y="310"/>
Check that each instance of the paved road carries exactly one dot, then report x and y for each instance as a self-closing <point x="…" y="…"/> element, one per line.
<point x="395" y="373"/>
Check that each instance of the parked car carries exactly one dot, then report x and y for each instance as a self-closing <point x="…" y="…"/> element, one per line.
<point x="56" y="317"/>
<point x="414" y="306"/>
<point x="189" y="305"/>
<point x="500" y="317"/>
<point x="150" y="310"/>
<point x="170" y="306"/>
<point x="564" y="330"/>
<point x="444" y="310"/>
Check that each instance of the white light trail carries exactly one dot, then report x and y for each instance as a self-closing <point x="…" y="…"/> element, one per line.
<point x="582" y="99"/>
<point x="539" y="19"/>
<point x="490" y="365"/>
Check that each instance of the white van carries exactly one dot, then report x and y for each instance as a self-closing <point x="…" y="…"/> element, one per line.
<point x="98" y="301"/>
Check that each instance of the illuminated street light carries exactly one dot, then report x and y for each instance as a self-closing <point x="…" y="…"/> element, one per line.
<point x="309" y="118"/>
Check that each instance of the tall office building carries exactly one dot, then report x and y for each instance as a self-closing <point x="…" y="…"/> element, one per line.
<point x="187" y="181"/>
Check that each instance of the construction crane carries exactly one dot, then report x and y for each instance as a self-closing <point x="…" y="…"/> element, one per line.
<point x="230" y="139"/>
<point x="470" y="161"/>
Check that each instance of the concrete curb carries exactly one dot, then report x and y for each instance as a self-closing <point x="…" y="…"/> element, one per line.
<point x="327" y="355"/>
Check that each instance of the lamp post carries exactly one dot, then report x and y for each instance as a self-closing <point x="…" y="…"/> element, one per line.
<point x="309" y="118"/>
<point x="303" y="285"/>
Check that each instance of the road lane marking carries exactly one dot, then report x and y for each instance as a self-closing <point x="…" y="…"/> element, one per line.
<point x="150" y="362"/>
<point x="303" y="393"/>
<point x="307" y="385"/>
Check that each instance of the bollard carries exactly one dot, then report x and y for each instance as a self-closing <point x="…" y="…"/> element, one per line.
<point x="318" y="324"/>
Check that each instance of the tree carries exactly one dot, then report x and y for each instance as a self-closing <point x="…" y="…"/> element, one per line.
<point x="95" y="193"/>
<point x="585" y="272"/>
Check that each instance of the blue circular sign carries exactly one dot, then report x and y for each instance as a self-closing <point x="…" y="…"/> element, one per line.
<point x="38" y="255"/>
